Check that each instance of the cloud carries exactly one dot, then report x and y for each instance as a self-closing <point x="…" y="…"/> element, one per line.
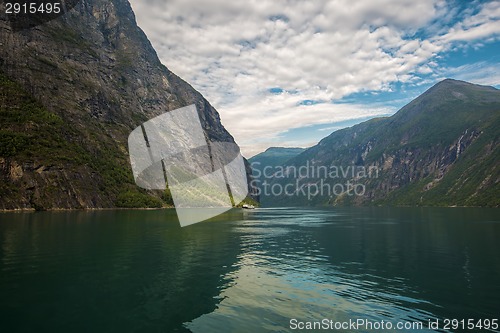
<point x="486" y="23"/>
<point x="234" y="52"/>
<point x="480" y="73"/>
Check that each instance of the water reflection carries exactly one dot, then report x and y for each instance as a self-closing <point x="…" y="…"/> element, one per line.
<point x="246" y="271"/>
<point x="393" y="265"/>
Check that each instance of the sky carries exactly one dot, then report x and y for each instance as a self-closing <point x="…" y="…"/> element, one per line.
<point x="287" y="73"/>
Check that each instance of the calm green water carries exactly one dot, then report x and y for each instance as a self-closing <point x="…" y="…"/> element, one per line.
<point x="251" y="271"/>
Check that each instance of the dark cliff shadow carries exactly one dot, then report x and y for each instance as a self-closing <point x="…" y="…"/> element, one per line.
<point x="111" y="271"/>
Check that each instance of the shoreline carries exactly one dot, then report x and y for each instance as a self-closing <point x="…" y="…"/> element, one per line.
<point x="32" y="210"/>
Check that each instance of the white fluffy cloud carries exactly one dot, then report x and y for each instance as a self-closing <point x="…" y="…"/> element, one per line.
<point x="234" y="52"/>
<point x="484" y="24"/>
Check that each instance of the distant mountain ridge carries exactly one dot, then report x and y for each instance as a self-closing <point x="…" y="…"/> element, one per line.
<point x="267" y="161"/>
<point x="71" y="90"/>
<point x="442" y="149"/>
<point x="275" y="156"/>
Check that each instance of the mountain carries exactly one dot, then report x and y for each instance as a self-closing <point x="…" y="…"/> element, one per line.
<point x="71" y="90"/>
<point x="267" y="161"/>
<point x="273" y="156"/>
<point x="442" y="149"/>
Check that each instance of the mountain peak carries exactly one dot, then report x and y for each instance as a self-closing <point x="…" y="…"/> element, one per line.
<point x="459" y="84"/>
<point x="453" y="81"/>
<point x="450" y="90"/>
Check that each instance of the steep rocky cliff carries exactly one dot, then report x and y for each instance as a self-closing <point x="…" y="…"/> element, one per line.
<point x="441" y="149"/>
<point x="71" y="91"/>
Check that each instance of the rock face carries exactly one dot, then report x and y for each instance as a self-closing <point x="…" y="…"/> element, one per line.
<point x="72" y="90"/>
<point x="441" y="149"/>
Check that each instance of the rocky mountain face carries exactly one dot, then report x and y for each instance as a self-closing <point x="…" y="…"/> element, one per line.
<point x="71" y="90"/>
<point x="440" y="149"/>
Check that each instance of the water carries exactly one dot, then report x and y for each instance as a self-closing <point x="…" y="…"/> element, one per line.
<point x="246" y="271"/>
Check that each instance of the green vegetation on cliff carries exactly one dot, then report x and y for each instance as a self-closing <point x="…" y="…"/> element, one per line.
<point x="35" y="139"/>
